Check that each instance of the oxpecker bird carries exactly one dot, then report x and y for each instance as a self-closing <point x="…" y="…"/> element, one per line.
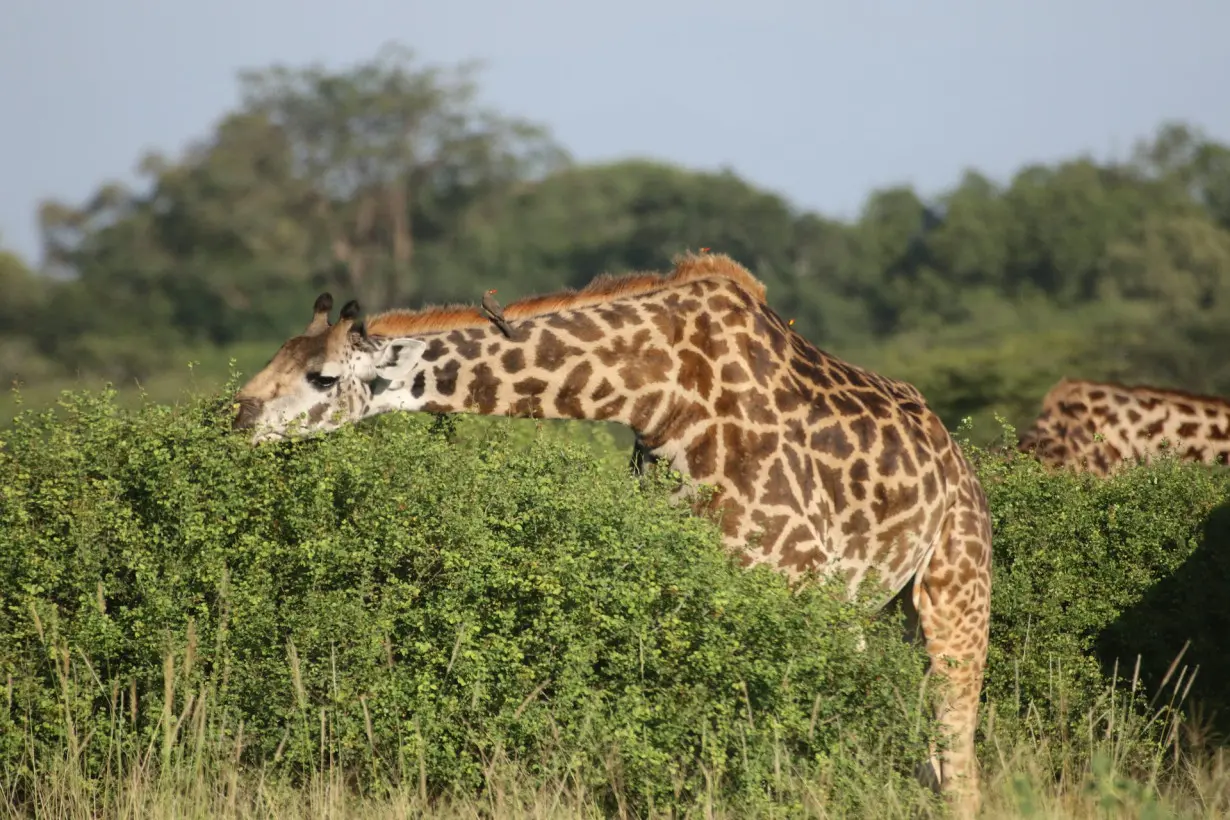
<point x="495" y="313"/>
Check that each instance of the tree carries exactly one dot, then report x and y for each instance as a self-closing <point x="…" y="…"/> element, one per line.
<point x="320" y="180"/>
<point x="392" y="154"/>
<point x="20" y="311"/>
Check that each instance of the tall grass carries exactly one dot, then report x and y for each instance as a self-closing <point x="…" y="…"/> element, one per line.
<point x="1128" y="763"/>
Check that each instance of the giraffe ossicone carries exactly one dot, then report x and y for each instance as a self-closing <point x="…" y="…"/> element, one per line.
<point x="1102" y="427"/>
<point x="818" y="464"/>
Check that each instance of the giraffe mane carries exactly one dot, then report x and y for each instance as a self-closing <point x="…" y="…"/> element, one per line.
<point x="604" y="287"/>
<point x="1160" y="392"/>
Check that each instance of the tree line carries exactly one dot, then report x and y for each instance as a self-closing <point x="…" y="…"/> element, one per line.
<point x="388" y="182"/>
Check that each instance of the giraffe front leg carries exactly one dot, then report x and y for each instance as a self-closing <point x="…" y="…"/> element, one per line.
<point x="952" y="598"/>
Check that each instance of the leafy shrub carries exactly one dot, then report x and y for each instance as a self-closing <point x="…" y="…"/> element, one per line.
<point x="409" y="606"/>
<point x="1089" y="573"/>
<point x="416" y="598"/>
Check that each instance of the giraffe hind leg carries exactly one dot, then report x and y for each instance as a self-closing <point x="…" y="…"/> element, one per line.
<point x="951" y="596"/>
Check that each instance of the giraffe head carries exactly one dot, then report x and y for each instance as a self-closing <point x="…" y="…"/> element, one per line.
<point x="328" y="376"/>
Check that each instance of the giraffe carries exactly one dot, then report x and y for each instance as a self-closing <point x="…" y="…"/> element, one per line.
<point x="818" y="464"/>
<point x="1133" y="423"/>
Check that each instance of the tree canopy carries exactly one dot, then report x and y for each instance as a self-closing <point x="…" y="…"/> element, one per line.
<point x="388" y="182"/>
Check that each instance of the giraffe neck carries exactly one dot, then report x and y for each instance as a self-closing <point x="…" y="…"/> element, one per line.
<point x="613" y="362"/>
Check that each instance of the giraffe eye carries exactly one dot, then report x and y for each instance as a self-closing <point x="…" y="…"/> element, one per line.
<point x="322" y="382"/>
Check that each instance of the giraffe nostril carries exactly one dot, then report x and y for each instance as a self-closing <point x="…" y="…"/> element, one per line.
<point x="249" y="410"/>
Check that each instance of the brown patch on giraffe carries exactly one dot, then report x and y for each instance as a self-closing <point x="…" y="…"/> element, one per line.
<point x="877" y="404"/>
<point x="864" y="429"/>
<point x="484" y="388"/>
<point x="846" y="404"/>
<point x="670" y="323"/>
<point x="721" y="303"/>
<point x="834" y="486"/>
<point x="528" y="407"/>
<point x="578" y="325"/>
<point x="611" y="409"/>
<point x="726" y="511"/>
<point x="749" y="404"/>
<point x="530" y="402"/>
<point x="727" y="404"/>
<point x="832" y="440"/>
<point x="894" y="541"/>
<point x="435" y="349"/>
<point x="318" y="412"/>
<point x="733" y="373"/>
<point x="856" y="529"/>
<point x="465" y="347"/>
<point x="640" y="363"/>
<point x="804" y="474"/>
<point x="1188" y="429"/>
<point x="758" y="358"/>
<point x="701" y="453"/>
<point x="745" y="450"/>
<point x="446" y="377"/>
<point x="513" y="360"/>
<point x="818" y="410"/>
<point x="707" y="339"/>
<point x="771" y="332"/>
<point x="860" y="475"/>
<point x="787" y="400"/>
<point x="893" y="454"/>
<point x="620" y="314"/>
<point x="603" y="289"/>
<point x="604" y="389"/>
<point x="695" y="373"/>
<point x="889" y="502"/>
<point x="552" y="352"/>
<point x="1194" y="453"/>
<point x="568" y="399"/>
<point x="643" y="409"/>
<point x="681" y="415"/>
<point x="757" y="407"/>
<point x="777" y="491"/>
<point x="797" y="554"/>
<point x="771" y="527"/>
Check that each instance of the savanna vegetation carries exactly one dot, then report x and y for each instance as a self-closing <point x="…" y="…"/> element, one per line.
<point x="422" y="612"/>
<point x="471" y="617"/>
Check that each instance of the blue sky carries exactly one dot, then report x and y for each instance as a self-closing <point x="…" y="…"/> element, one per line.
<point x="820" y="101"/>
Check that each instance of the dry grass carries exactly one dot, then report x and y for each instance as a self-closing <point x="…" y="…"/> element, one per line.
<point x="1124" y="765"/>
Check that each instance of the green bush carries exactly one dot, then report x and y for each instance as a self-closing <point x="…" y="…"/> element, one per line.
<point x="1090" y="573"/>
<point x="416" y="598"/>
<point x="407" y="603"/>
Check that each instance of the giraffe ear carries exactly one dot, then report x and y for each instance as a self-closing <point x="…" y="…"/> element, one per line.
<point x="398" y="360"/>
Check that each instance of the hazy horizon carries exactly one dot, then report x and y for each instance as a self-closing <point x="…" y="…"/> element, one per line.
<point x="820" y="102"/>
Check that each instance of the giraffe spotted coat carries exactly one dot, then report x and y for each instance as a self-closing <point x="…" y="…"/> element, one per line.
<point x="1101" y="427"/>
<point x="819" y="464"/>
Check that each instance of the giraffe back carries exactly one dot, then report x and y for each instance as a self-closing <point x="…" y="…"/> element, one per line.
<point x="1100" y="427"/>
